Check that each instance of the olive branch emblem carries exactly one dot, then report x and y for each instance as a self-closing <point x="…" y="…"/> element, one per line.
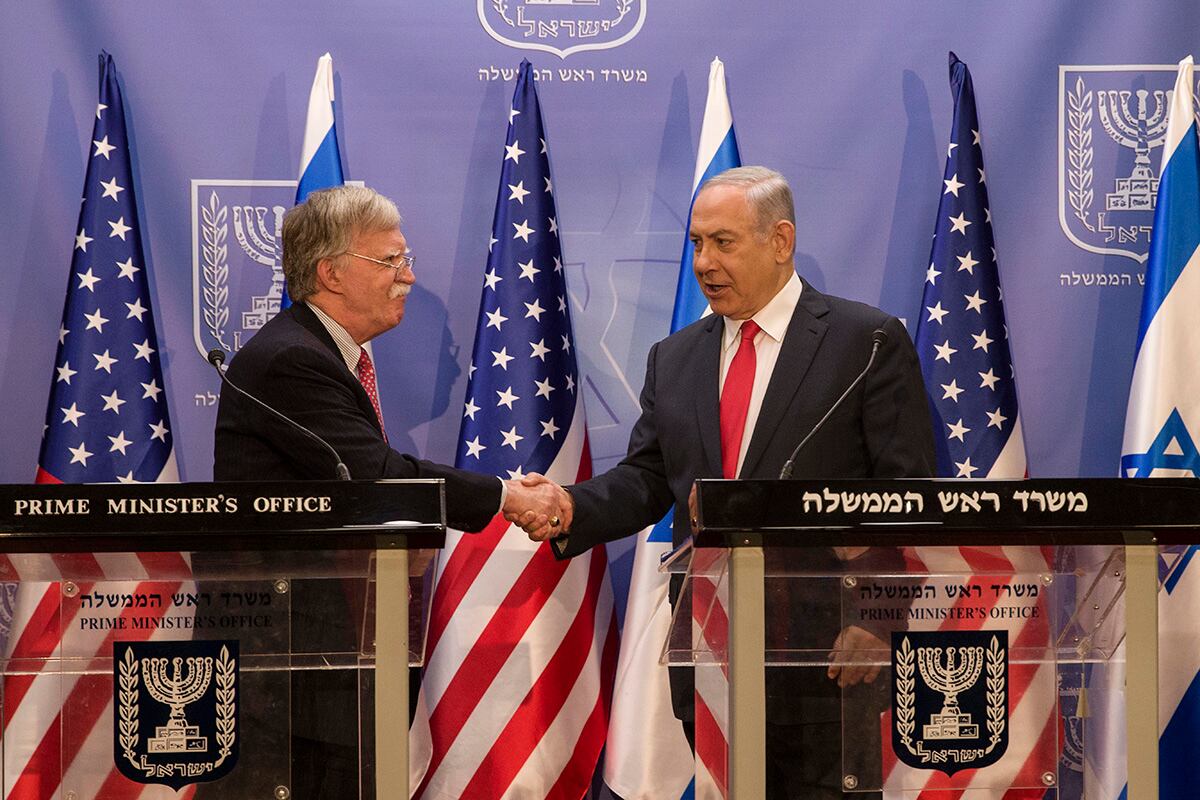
<point x="1080" y="152"/>
<point x="128" y="710"/>
<point x="906" y="694"/>
<point x="997" y="693"/>
<point x="215" y="252"/>
<point x="502" y="9"/>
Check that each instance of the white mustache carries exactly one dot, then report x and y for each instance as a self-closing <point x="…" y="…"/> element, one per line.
<point x="399" y="290"/>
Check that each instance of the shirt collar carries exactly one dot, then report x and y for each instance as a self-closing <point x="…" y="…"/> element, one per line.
<point x="773" y="318"/>
<point x="347" y="347"/>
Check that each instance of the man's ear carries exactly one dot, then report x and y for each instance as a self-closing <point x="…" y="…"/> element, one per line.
<point x="783" y="241"/>
<point x="329" y="277"/>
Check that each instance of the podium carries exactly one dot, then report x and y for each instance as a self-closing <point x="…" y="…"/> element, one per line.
<point x="980" y="623"/>
<point x="179" y="634"/>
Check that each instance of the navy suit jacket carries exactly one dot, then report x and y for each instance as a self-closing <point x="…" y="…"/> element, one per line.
<point x="293" y="365"/>
<point x="882" y="430"/>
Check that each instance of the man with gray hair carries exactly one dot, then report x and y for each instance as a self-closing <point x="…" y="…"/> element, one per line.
<point x="349" y="271"/>
<point x="731" y="396"/>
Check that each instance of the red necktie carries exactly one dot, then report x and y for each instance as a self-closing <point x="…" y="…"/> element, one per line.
<point x="735" y="399"/>
<point x="366" y="376"/>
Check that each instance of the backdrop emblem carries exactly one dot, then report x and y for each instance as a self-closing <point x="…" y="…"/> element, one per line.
<point x="237" y="258"/>
<point x="176" y="710"/>
<point x="1112" y="120"/>
<point x="562" y="27"/>
<point x="949" y="698"/>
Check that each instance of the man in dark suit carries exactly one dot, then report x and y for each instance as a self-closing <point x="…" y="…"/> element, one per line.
<point x="349" y="272"/>
<point x="731" y="396"/>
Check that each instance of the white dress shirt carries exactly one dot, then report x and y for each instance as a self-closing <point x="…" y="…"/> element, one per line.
<point x="774" y="319"/>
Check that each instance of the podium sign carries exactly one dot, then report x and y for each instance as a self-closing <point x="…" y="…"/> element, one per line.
<point x="943" y="631"/>
<point x="216" y="665"/>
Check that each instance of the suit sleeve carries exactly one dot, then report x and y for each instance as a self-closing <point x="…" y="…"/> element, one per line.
<point x="897" y="424"/>
<point x="631" y="495"/>
<point x="301" y="384"/>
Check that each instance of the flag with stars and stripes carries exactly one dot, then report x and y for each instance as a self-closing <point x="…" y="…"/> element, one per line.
<point x="521" y="647"/>
<point x="647" y="756"/>
<point x="106" y="421"/>
<point x="962" y="342"/>
<point x="107" y="418"/>
<point x="962" y="338"/>
<point x="1162" y="427"/>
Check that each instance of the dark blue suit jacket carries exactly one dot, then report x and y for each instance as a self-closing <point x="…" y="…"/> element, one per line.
<point x="293" y="365"/>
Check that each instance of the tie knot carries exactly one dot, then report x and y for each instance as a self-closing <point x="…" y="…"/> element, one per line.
<point x="364" y="362"/>
<point x="749" y="330"/>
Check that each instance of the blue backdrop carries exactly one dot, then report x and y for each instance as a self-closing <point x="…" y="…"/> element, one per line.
<point x="850" y="101"/>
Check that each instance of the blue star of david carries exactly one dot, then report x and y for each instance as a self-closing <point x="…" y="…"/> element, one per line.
<point x="1141" y="465"/>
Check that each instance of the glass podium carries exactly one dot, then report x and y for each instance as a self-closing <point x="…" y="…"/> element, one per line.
<point x="926" y="636"/>
<point x="233" y="640"/>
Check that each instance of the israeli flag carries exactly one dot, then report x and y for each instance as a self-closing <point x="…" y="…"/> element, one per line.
<point x="647" y="754"/>
<point x="320" y="159"/>
<point x="1163" y="420"/>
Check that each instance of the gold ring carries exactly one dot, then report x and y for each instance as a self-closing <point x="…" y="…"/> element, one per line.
<point x="554" y="521"/>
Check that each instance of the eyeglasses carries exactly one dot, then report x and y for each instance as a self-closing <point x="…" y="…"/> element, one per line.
<point x="401" y="261"/>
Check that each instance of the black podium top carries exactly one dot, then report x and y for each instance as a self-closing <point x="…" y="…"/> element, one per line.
<point x="931" y="512"/>
<point x="198" y="517"/>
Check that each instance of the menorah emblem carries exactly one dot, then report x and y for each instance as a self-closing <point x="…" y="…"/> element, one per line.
<point x="956" y="673"/>
<point x="258" y="230"/>
<point x="187" y="683"/>
<point x="1141" y="131"/>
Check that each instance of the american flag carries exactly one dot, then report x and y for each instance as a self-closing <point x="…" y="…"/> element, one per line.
<point x="106" y="421"/>
<point x="962" y="342"/>
<point x="521" y="648"/>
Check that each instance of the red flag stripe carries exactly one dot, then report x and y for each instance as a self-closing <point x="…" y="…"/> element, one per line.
<point x="545" y="699"/>
<point x="711" y="747"/>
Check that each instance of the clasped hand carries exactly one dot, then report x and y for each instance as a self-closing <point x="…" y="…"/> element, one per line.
<point x="541" y="507"/>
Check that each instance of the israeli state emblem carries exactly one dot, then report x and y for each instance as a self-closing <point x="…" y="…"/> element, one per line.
<point x="562" y="27"/>
<point x="949" y="698"/>
<point x="1112" y="125"/>
<point x="176" y="711"/>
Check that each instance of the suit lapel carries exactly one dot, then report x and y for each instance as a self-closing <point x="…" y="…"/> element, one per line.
<point x="708" y="390"/>
<point x="804" y="335"/>
<point x="308" y="319"/>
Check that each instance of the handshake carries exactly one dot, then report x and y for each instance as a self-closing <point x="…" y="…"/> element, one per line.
<point x="541" y="507"/>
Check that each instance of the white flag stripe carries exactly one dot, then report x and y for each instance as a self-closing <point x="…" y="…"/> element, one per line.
<point x="127" y="565"/>
<point x="1180" y="640"/>
<point x="641" y="697"/>
<point x="29" y="594"/>
<point x="1011" y="463"/>
<point x="718" y="119"/>
<point x="319" y="120"/>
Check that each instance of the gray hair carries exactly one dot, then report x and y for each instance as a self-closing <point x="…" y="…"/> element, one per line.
<point x="766" y="190"/>
<point x="324" y="225"/>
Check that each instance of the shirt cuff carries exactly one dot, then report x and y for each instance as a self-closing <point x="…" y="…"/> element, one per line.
<point x="503" y="495"/>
